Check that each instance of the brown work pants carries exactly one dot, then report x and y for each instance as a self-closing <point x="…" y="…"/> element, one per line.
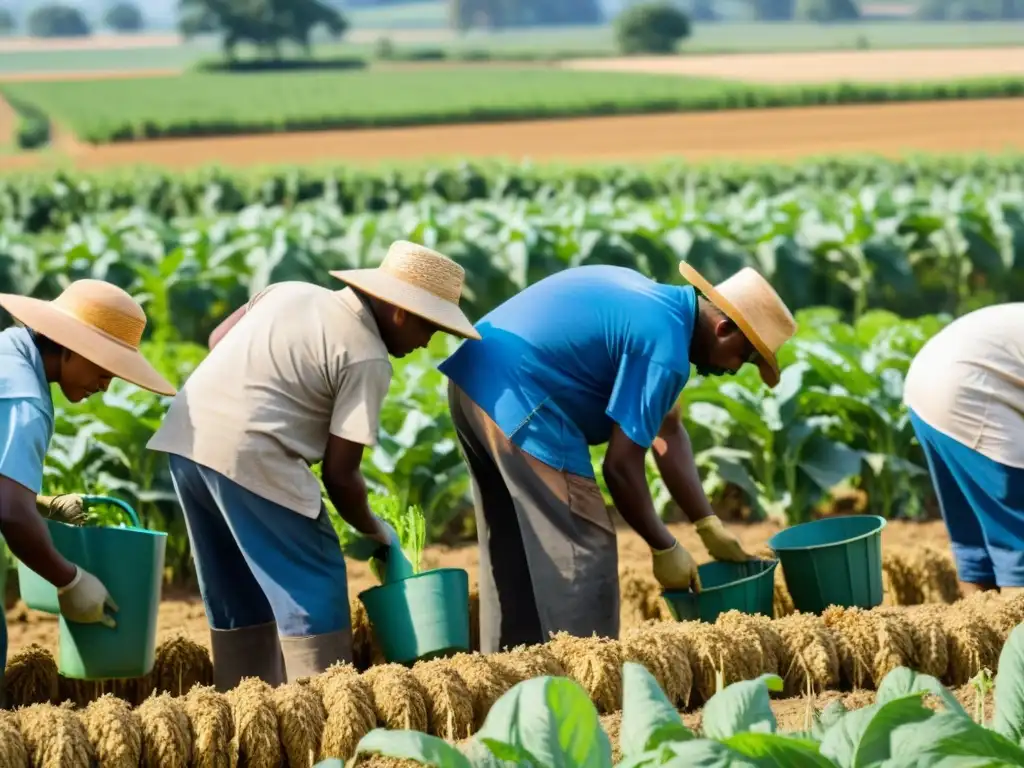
<point x="548" y="555"/>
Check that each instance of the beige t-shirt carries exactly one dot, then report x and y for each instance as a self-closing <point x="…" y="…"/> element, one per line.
<point x="302" y="363"/>
<point x="968" y="382"/>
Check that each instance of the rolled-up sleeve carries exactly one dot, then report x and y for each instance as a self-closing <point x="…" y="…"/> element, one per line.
<point x="24" y="438"/>
<point x="358" y="401"/>
<point x="643" y="394"/>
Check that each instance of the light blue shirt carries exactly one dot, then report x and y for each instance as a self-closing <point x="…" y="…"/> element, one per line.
<point x="26" y="410"/>
<point x="573" y="354"/>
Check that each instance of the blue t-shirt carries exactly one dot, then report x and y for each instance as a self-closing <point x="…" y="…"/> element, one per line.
<point x="26" y="410"/>
<point x="562" y="361"/>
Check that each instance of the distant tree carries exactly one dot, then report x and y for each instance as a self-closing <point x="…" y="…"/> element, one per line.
<point x="970" y="10"/>
<point x="773" y="10"/>
<point x="7" y="23"/>
<point x="124" y="17"/>
<point x="498" y="14"/>
<point x="651" y="28"/>
<point x="57" y="20"/>
<point x="824" y="11"/>
<point x="265" y="24"/>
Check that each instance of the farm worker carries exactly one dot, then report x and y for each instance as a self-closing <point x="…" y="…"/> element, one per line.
<point x="294" y="377"/>
<point x="79" y="341"/>
<point x="593" y="355"/>
<point x="965" y="394"/>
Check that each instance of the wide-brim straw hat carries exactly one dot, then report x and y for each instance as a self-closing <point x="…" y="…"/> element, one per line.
<point x="748" y="300"/>
<point x="419" y="280"/>
<point x="98" y="321"/>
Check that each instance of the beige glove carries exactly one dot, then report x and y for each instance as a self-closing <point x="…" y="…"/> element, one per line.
<point x="85" y="599"/>
<point x="720" y="544"/>
<point x="65" y="508"/>
<point x="674" y="568"/>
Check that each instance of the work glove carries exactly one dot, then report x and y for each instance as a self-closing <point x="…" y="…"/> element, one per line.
<point x="720" y="544"/>
<point x="65" y="508"/>
<point x="365" y="546"/>
<point x="85" y="600"/>
<point x="674" y="568"/>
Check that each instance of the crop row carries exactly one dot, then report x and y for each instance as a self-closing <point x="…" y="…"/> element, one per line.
<point x="127" y="109"/>
<point x="327" y="715"/>
<point x="37" y="202"/>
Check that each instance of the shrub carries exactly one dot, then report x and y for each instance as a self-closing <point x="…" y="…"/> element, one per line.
<point x="57" y="21"/>
<point x="7" y="23"/>
<point x="124" y="17"/>
<point x="651" y="28"/>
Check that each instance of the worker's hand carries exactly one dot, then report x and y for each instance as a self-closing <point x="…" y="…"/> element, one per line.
<point x="85" y="600"/>
<point x="65" y="508"/>
<point x="364" y="546"/>
<point x="674" y="568"/>
<point x="378" y="561"/>
<point x="720" y="544"/>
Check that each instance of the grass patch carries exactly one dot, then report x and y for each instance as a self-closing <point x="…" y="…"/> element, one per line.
<point x="33" y="124"/>
<point x="196" y="104"/>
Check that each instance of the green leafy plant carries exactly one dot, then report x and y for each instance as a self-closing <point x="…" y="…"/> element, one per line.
<point x="409" y="524"/>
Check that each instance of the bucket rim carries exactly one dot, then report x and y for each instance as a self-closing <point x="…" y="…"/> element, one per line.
<point x="431" y="572"/>
<point x="121" y="527"/>
<point x="773" y="564"/>
<point x="876" y="531"/>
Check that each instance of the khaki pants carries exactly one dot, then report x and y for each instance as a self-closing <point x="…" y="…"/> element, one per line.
<point x="548" y="555"/>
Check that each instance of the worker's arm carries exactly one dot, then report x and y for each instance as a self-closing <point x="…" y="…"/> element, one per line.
<point x="347" y="489"/>
<point x="673" y="455"/>
<point x="27" y="536"/>
<point x="625" y="475"/>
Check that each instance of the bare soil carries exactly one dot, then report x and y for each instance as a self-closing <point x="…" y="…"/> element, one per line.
<point x="824" y="67"/>
<point x="185" y="613"/>
<point x="990" y="125"/>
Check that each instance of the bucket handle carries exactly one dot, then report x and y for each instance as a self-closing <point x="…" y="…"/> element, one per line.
<point x="122" y="505"/>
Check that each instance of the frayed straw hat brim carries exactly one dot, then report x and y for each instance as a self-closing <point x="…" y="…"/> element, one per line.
<point x="116" y="357"/>
<point x="411" y="298"/>
<point x="768" y="364"/>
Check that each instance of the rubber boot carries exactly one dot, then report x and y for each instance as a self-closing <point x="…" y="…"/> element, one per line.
<point x="246" y="652"/>
<point x="312" y="654"/>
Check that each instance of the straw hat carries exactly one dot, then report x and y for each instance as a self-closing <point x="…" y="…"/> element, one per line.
<point x="97" y="320"/>
<point x="419" y="280"/>
<point x="748" y="300"/>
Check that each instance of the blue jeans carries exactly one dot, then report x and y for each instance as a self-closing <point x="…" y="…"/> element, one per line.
<point x="259" y="562"/>
<point x="982" y="504"/>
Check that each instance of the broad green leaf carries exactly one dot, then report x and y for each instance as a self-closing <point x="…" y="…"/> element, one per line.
<point x="648" y="717"/>
<point x="1009" y="693"/>
<point x="552" y="719"/>
<point x="904" y="681"/>
<point x="832" y="714"/>
<point x="703" y="753"/>
<point x="863" y="736"/>
<point x="412" y="745"/>
<point x="769" y="749"/>
<point x="951" y="735"/>
<point x="740" y="707"/>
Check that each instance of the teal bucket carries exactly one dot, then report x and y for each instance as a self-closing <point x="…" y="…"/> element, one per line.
<point x="422" y="617"/>
<point x="129" y="560"/>
<point x="747" y="587"/>
<point x="835" y="561"/>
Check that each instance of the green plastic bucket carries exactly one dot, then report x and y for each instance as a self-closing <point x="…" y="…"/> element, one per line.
<point x="37" y="593"/>
<point x="746" y="587"/>
<point x="422" y="617"/>
<point x="129" y="560"/>
<point x="835" y="561"/>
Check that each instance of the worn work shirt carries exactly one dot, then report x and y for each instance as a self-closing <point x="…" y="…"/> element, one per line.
<point x="26" y="410"/>
<point x="561" y="362"/>
<point x="968" y="382"/>
<point x="303" y="363"/>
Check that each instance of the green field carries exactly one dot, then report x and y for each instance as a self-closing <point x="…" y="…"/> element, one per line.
<point x="588" y="41"/>
<point x="210" y="104"/>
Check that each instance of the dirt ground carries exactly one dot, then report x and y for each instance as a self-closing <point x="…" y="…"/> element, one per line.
<point x="184" y="612"/>
<point x="990" y="125"/>
<point x="824" y="67"/>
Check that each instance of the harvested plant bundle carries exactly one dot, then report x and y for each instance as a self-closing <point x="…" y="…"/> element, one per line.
<point x="1003" y="612"/>
<point x="166" y="734"/>
<point x="920" y="574"/>
<point x="115" y="732"/>
<point x="449" y="702"/>
<point x="474" y="619"/>
<point x="595" y="663"/>
<point x="973" y="643"/>
<point x="31" y="677"/>
<point x="54" y="737"/>
<point x="782" y="601"/>
<point x="213" y="728"/>
<point x="667" y="661"/>
<point x="301" y="719"/>
<point x="348" y="701"/>
<point x="487" y="682"/>
<point x="639" y="599"/>
<point x="180" y="664"/>
<point x="870" y="644"/>
<point x="398" y="698"/>
<point x="713" y="652"/>
<point x="12" y="747"/>
<point x="810" y="660"/>
<point x="930" y="645"/>
<point x="255" y="721"/>
<point x="364" y="646"/>
<point x="758" y="631"/>
<point x="528" y="661"/>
